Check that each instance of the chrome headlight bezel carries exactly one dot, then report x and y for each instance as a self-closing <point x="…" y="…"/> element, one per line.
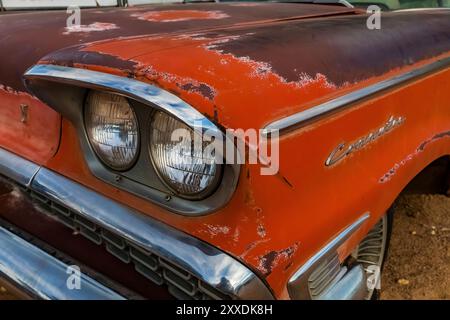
<point x="212" y="184"/>
<point x="65" y="88"/>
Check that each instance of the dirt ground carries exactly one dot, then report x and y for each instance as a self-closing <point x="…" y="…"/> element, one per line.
<point x="418" y="265"/>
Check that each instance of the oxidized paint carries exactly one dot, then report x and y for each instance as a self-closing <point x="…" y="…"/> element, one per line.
<point x="249" y="72"/>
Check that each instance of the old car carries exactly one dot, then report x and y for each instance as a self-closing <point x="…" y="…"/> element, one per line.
<point x="98" y="201"/>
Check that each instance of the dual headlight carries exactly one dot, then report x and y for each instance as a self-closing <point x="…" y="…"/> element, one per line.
<point x="114" y="134"/>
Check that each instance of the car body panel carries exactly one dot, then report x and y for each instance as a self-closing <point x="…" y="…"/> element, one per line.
<point x="247" y="75"/>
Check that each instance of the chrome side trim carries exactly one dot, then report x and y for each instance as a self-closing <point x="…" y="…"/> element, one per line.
<point x="43" y="276"/>
<point x="353" y="286"/>
<point x="204" y="261"/>
<point x="138" y="90"/>
<point x="17" y="168"/>
<point x="300" y="118"/>
<point x="298" y="283"/>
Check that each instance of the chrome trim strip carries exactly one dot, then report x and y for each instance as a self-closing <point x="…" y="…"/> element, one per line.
<point x="336" y="104"/>
<point x="298" y="283"/>
<point x="17" y="168"/>
<point x="138" y="90"/>
<point x="204" y="261"/>
<point x="42" y="275"/>
<point x="353" y="286"/>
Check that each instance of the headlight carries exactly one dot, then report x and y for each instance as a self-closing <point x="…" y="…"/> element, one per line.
<point x="183" y="168"/>
<point x="112" y="129"/>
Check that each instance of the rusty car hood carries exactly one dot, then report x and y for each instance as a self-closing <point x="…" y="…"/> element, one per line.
<point x="28" y="36"/>
<point x="278" y="63"/>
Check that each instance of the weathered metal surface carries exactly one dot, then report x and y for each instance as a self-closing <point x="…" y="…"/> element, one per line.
<point x="26" y="37"/>
<point x="245" y="75"/>
<point x="273" y="69"/>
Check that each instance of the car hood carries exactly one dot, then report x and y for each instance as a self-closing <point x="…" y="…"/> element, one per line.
<point x="241" y="64"/>
<point x="247" y="74"/>
<point x="28" y="36"/>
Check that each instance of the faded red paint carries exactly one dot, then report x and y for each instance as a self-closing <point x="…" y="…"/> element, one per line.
<point x="218" y="81"/>
<point x="37" y="138"/>
<point x="275" y="223"/>
<point x="298" y="213"/>
<point x="180" y="15"/>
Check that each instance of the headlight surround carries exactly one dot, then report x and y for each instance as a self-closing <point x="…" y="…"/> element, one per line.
<point x="186" y="171"/>
<point x="112" y="128"/>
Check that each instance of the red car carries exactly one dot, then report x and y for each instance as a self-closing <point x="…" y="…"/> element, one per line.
<point x="94" y="185"/>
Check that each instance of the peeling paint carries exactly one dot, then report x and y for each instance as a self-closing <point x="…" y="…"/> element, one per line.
<point x="252" y="246"/>
<point x="200" y="88"/>
<point x="179" y="15"/>
<point x="216" y="77"/>
<point x="272" y="259"/>
<point x="236" y="235"/>
<point x="261" y="230"/>
<point x="93" y="27"/>
<point x="393" y="171"/>
<point x="184" y="83"/>
<point x="215" y="230"/>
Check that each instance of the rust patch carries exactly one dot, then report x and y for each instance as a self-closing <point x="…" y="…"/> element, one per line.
<point x="261" y="230"/>
<point x="179" y="15"/>
<point x="201" y="88"/>
<point x="93" y="27"/>
<point x="392" y="171"/>
<point x="251" y="246"/>
<point x="273" y="258"/>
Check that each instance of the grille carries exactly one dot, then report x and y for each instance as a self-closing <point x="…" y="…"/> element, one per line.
<point x="326" y="274"/>
<point x="180" y="283"/>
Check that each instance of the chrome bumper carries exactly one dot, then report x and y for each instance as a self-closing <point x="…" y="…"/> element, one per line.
<point x="205" y="262"/>
<point x="40" y="275"/>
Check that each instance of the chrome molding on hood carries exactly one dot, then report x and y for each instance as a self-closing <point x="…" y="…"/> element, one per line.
<point x="204" y="261"/>
<point x="298" y="119"/>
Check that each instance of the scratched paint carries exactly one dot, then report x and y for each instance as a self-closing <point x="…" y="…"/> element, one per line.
<point x="272" y="259"/>
<point x="215" y="230"/>
<point x="392" y="171"/>
<point x="180" y="15"/>
<point x="93" y="27"/>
